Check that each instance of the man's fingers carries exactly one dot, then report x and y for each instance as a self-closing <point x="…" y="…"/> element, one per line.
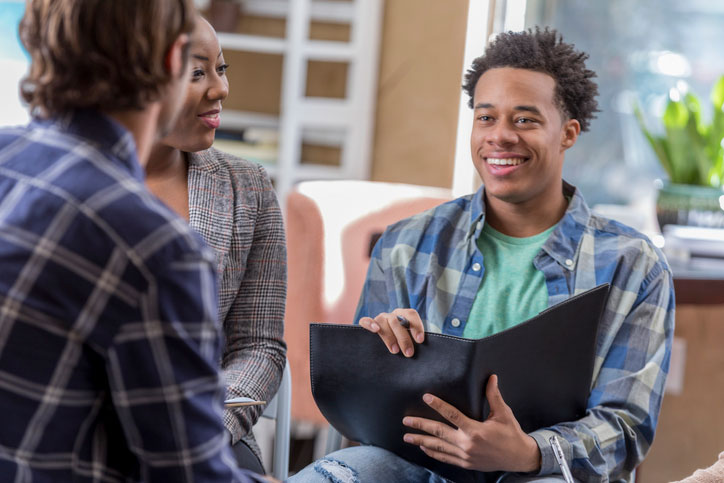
<point x="397" y="329"/>
<point x="417" y="328"/>
<point x="435" y="428"/>
<point x="431" y="442"/>
<point x="445" y="457"/>
<point x="402" y="335"/>
<point x="381" y="327"/>
<point x="407" y="326"/>
<point x="387" y="323"/>
<point x="447" y="411"/>
<point x="369" y="324"/>
<point x="495" y="399"/>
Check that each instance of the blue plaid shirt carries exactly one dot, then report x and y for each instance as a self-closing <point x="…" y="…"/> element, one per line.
<point x="108" y="337"/>
<point x="430" y="262"/>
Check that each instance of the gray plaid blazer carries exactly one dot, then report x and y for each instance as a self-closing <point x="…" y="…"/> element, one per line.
<point x="232" y="204"/>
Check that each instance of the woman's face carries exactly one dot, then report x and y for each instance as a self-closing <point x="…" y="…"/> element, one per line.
<point x="196" y="124"/>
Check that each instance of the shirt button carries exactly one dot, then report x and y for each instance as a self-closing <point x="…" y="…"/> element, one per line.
<point x="480" y="225"/>
<point x="455" y="322"/>
<point x="569" y="263"/>
<point x="476" y="267"/>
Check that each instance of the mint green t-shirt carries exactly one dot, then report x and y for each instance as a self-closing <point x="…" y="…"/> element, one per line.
<point x="513" y="290"/>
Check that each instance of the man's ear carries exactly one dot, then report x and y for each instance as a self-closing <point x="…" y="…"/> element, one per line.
<point x="177" y="56"/>
<point x="569" y="133"/>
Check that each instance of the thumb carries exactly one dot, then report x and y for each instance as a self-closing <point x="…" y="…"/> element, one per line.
<point x="495" y="399"/>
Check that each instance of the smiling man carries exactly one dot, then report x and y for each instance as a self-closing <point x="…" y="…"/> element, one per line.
<point x="525" y="241"/>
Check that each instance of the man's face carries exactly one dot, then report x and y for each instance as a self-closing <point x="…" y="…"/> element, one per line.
<point x="519" y="136"/>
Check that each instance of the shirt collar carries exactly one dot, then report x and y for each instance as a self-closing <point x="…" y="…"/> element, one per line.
<point x="563" y="243"/>
<point x="477" y="214"/>
<point x="104" y="133"/>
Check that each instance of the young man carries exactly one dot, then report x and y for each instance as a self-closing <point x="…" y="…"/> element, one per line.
<point x="525" y="241"/>
<point x="109" y="346"/>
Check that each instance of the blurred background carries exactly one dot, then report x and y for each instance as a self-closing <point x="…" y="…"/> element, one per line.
<point x="355" y="109"/>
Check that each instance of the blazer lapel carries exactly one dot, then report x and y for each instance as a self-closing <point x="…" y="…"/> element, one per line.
<point x="211" y="204"/>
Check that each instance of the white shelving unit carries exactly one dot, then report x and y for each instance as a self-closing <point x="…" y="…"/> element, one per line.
<point x="346" y="123"/>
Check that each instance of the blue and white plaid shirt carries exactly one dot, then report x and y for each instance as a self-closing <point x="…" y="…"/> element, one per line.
<point x="430" y="262"/>
<point x="108" y="337"/>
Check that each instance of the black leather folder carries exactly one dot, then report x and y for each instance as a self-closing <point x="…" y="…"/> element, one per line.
<point x="544" y="366"/>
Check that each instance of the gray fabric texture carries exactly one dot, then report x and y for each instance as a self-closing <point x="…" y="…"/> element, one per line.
<point x="232" y="204"/>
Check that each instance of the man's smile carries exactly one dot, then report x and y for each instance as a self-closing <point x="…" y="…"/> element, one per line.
<point x="506" y="161"/>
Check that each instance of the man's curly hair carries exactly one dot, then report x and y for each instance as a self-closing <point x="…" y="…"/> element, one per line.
<point x="543" y="51"/>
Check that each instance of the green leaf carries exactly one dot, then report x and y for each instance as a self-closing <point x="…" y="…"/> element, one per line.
<point x="682" y="155"/>
<point x="687" y="142"/>
<point x="694" y="107"/>
<point x="716" y="131"/>
<point x="697" y="149"/>
<point x="675" y="115"/>
<point x="691" y="150"/>
<point x="716" y="175"/>
<point x="717" y="94"/>
<point x="657" y="143"/>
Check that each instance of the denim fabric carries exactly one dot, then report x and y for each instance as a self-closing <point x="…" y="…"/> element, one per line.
<point x="365" y="464"/>
<point x="369" y="464"/>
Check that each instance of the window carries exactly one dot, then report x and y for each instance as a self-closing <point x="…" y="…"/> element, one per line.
<point x="640" y="51"/>
<point x="13" y="64"/>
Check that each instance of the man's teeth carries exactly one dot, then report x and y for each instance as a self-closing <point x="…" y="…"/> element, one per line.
<point x="505" y="161"/>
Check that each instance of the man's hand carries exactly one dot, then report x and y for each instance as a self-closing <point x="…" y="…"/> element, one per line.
<point x="395" y="336"/>
<point x="496" y="444"/>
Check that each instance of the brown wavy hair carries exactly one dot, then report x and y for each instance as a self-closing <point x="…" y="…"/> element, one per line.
<point x="543" y="51"/>
<point x="106" y="55"/>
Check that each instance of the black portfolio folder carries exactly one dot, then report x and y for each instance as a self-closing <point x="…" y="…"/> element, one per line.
<point x="544" y="367"/>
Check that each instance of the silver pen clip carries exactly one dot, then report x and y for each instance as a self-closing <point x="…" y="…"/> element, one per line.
<point x="558" y="452"/>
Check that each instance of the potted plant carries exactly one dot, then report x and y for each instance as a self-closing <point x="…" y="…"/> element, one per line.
<point x="690" y="151"/>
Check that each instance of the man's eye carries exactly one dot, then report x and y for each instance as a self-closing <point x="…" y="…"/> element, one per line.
<point x="484" y="118"/>
<point x="523" y="120"/>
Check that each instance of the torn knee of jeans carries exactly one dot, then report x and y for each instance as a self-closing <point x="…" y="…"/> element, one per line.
<point x="336" y="471"/>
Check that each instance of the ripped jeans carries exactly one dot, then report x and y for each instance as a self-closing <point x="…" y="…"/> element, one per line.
<point x="365" y="464"/>
<point x="370" y="464"/>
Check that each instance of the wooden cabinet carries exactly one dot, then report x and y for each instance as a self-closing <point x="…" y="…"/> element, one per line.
<point x="690" y="432"/>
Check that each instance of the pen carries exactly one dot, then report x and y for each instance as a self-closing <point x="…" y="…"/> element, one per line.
<point x="403" y="322"/>
<point x="558" y="452"/>
<point x="238" y="404"/>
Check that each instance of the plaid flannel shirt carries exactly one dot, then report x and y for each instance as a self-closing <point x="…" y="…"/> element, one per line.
<point x="430" y="262"/>
<point x="109" y="344"/>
